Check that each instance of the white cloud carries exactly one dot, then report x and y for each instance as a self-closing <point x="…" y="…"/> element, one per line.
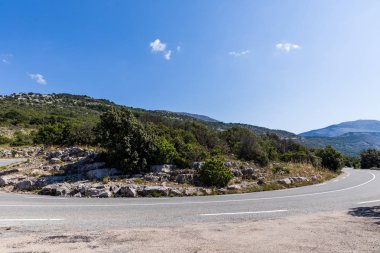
<point x="178" y="48"/>
<point x="287" y="47"/>
<point x="40" y="79"/>
<point x="157" y="46"/>
<point x="168" y="55"/>
<point x="238" y="54"/>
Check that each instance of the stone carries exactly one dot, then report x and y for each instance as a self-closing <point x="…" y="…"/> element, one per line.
<point x="151" y="178"/>
<point x="228" y="164"/>
<point x="55" y="161"/>
<point x="155" y="191"/>
<point x="100" y="173"/>
<point x="167" y="168"/>
<point x="25" y="185"/>
<point x="197" y="165"/>
<point x="248" y="171"/>
<point x="237" y="173"/>
<point x="234" y="187"/>
<point x="127" y="191"/>
<point x="261" y="181"/>
<point x="285" y="181"/>
<point x="175" y="192"/>
<point x="185" y="178"/>
<point x="314" y="178"/>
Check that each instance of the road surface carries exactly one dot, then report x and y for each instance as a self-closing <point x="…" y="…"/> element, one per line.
<point x="352" y="189"/>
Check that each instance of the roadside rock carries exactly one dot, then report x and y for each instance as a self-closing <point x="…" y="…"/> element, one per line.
<point x="234" y="187"/>
<point x="185" y="178"/>
<point x="285" y="181"/>
<point x="167" y="168"/>
<point x="155" y="191"/>
<point x="25" y="185"/>
<point x="100" y="173"/>
<point x="127" y="191"/>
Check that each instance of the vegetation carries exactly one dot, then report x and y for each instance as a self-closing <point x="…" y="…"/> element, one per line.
<point x="133" y="139"/>
<point x="214" y="173"/>
<point x="331" y="158"/>
<point x="370" y="158"/>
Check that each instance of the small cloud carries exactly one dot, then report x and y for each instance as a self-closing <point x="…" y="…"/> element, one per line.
<point x="178" y="48"/>
<point x="6" y="58"/>
<point x="40" y="79"/>
<point x="287" y="47"/>
<point x="157" y="46"/>
<point x="239" y="54"/>
<point x="168" y="55"/>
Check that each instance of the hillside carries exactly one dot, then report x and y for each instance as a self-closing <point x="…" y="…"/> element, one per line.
<point x="29" y="110"/>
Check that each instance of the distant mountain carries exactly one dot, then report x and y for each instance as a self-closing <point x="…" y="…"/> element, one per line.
<point x="350" y="137"/>
<point x="358" y="126"/>
<point x="200" y="117"/>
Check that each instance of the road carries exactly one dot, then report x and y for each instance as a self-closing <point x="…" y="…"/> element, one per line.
<point x="351" y="189"/>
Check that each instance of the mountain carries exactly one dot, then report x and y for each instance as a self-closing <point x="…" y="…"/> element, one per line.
<point x="199" y="117"/>
<point x="28" y="110"/>
<point x="350" y="137"/>
<point x="358" y="126"/>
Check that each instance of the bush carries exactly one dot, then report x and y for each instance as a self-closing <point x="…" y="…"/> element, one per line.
<point x="127" y="143"/>
<point x="214" y="173"/>
<point x="331" y="159"/>
<point x="21" y="139"/>
<point x="4" y="140"/>
<point x="370" y="158"/>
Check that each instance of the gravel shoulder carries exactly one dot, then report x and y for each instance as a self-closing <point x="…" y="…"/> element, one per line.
<point x="322" y="232"/>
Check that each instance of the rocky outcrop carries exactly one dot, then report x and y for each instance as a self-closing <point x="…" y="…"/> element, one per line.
<point x="101" y="173"/>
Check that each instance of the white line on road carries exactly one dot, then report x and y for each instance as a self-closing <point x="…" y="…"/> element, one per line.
<point x="6" y="220"/>
<point x="371" y="201"/>
<point x="320" y="184"/>
<point x="239" y="213"/>
<point x="193" y="202"/>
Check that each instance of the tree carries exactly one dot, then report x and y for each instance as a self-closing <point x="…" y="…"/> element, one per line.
<point x="370" y="158"/>
<point x="214" y="173"/>
<point x="331" y="159"/>
<point x="127" y="143"/>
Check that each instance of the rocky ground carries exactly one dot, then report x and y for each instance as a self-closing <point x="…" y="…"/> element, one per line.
<point x="337" y="232"/>
<point x="77" y="172"/>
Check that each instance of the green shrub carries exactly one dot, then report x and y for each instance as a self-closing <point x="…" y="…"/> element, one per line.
<point x="4" y="140"/>
<point x="128" y="145"/>
<point x="370" y="158"/>
<point x="331" y="159"/>
<point x="214" y="173"/>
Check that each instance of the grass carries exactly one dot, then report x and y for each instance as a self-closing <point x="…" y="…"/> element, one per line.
<point x="138" y="180"/>
<point x="3" y="167"/>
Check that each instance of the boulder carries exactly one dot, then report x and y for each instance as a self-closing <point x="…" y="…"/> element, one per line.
<point x="155" y="191"/>
<point x="261" y="181"/>
<point x="151" y="178"/>
<point x="285" y="181"/>
<point x="167" y="168"/>
<point x="100" y="173"/>
<point x="55" y="161"/>
<point x="237" y="173"/>
<point x="25" y="185"/>
<point x="197" y="165"/>
<point x="127" y="191"/>
<point x="185" y="178"/>
<point x="55" y="190"/>
<point x="234" y="187"/>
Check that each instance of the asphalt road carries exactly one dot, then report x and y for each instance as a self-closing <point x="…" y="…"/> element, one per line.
<point x="353" y="188"/>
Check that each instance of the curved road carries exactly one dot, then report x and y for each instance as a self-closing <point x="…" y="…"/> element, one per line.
<point x="352" y="189"/>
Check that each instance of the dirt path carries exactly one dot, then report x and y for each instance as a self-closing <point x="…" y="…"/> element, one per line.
<point x="325" y="232"/>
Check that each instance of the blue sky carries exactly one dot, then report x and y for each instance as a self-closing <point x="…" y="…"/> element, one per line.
<point x="292" y="65"/>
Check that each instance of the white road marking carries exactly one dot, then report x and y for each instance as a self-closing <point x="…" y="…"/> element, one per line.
<point x="320" y="184"/>
<point x="366" y="202"/>
<point x="7" y="220"/>
<point x="240" y="213"/>
<point x="194" y="202"/>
